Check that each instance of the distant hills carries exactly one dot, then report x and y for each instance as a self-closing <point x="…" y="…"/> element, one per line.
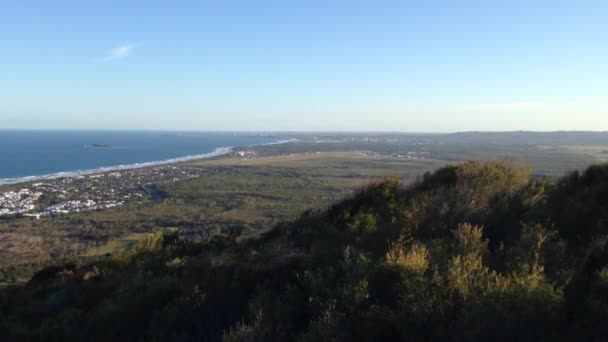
<point x="529" y="138"/>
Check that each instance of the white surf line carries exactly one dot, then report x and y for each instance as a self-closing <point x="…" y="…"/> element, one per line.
<point x="70" y="174"/>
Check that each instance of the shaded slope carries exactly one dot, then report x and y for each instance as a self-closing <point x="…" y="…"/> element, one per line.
<point x="471" y="252"/>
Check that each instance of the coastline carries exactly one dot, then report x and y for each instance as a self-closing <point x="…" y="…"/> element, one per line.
<point x="220" y="151"/>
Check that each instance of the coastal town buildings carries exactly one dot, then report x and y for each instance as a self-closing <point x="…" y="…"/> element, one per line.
<point x="89" y="192"/>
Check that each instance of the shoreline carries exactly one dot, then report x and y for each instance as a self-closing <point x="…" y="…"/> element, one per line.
<point x="220" y="151"/>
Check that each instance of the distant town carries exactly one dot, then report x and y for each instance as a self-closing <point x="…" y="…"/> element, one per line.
<point x="95" y="191"/>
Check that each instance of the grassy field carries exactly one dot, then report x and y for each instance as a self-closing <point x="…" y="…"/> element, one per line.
<point x="545" y="160"/>
<point x="598" y="152"/>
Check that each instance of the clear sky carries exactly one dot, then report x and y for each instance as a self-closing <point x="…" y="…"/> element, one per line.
<point x="304" y="65"/>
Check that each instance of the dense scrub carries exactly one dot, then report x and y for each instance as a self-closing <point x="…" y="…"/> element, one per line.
<point x="471" y="252"/>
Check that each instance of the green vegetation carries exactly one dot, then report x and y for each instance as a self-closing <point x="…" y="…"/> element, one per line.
<point x="547" y="160"/>
<point x="250" y="196"/>
<point x="230" y="197"/>
<point x="478" y="251"/>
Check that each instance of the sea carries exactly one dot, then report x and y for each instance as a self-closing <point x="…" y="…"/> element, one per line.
<point x="30" y="155"/>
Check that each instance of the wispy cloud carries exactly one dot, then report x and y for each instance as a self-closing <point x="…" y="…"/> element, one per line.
<point x="120" y="52"/>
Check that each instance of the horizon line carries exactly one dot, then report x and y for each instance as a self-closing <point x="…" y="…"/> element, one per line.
<point x="294" y="131"/>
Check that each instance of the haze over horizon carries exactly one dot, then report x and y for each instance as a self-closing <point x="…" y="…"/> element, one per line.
<point x="318" y="131"/>
<point x="274" y="66"/>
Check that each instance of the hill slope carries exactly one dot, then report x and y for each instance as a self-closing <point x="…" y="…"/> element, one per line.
<point x="471" y="252"/>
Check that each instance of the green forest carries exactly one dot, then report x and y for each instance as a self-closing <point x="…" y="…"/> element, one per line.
<point x="476" y="251"/>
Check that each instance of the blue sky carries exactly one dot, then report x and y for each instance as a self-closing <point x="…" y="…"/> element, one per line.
<point x="432" y="66"/>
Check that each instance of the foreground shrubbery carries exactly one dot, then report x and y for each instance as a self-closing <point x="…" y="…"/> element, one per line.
<point x="471" y="252"/>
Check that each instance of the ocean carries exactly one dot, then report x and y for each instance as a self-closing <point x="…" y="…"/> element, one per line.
<point x="29" y="155"/>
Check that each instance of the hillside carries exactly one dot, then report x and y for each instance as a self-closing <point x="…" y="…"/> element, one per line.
<point x="476" y="251"/>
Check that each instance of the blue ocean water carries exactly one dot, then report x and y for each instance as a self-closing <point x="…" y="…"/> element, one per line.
<point x="24" y="154"/>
